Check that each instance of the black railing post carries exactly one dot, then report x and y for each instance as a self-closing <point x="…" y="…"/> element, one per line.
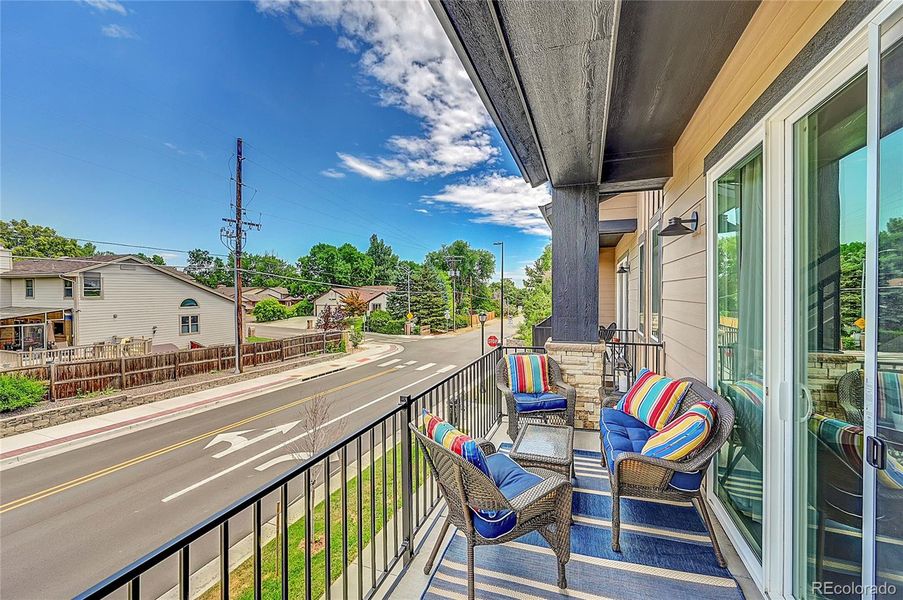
<point x="407" y="488"/>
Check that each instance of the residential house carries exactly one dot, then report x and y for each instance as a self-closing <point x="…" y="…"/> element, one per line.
<point x="88" y="300"/>
<point x="717" y="188"/>
<point x="252" y="295"/>
<point x="376" y="297"/>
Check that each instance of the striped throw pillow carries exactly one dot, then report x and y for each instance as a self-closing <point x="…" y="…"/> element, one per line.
<point x="528" y="373"/>
<point x="442" y="432"/>
<point x="684" y="434"/>
<point x="847" y="441"/>
<point x="653" y="398"/>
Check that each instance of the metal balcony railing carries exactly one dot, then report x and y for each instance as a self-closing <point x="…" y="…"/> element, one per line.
<point x="365" y="496"/>
<point x="626" y="352"/>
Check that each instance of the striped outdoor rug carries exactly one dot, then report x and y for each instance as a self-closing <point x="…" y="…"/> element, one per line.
<point x="665" y="553"/>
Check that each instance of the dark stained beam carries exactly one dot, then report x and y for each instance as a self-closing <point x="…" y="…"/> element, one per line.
<point x="651" y="164"/>
<point x="575" y="264"/>
<point x="610" y="190"/>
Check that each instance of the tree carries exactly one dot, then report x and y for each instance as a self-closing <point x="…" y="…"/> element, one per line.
<point x="24" y="239"/>
<point x="514" y="296"/>
<point x="267" y="270"/>
<point x="208" y="269"/>
<point x="385" y="261"/>
<point x="331" y="319"/>
<point x="359" y="266"/>
<point x="269" y="309"/>
<point x="397" y="303"/>
<point x="353" y="305"/>
<point x="540" y="270"/>
<point x="303" y="308"/>
<point x="430" y="301"/>
<point x="474" y="266"/>
<point x="537" y="294"/>
<point x="156" y="259"/>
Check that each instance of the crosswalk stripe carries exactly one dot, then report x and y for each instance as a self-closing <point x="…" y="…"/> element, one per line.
<point x="410" y="362"/>
<point x="390" y="362"/>
<point x="446" y="368"/>
<point x="426" y="366"/>
<point x="399" y="366"/>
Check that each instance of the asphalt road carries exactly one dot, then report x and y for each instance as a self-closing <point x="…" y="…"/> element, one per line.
<point x="69" y="520"/>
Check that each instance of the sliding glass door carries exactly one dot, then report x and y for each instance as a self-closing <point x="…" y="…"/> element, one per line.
<point x="830" y="240"/>
<point x="739" y="326"/>
<point x="884" y="450"/>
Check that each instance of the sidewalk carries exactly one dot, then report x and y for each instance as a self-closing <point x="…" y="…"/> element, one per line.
<point x="25" y="447"/>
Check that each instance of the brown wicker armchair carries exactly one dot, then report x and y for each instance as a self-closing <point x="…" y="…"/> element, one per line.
<point x="556" y="382"/>
<point x="545" y="507"/>
<point x="639" y="476"/>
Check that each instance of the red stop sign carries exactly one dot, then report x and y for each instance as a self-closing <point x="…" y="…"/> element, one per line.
<point x="492" y="341"/>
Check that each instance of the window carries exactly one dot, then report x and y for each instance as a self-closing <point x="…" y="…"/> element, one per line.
<point x="740" y="324"/>
<point x="189" y="324"/>
<point x="92" y="285"/>
<point x="655" y="294"/>
<point x="67" y="288"/>
<point x="641" y="317"/>
<point x="377" y="306"/>
<point x="29" y="288"/>
<point x="188" y="303"/>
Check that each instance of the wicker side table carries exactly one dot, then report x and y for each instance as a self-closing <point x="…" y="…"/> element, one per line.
<point x="545" y="446"/>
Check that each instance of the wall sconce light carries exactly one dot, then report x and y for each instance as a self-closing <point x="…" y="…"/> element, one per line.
<point x="678" y="226"/>
<point x="154" y="330"/>
<point x="623" y="269"/>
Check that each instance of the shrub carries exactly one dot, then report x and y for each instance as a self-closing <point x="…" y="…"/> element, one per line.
<point x="269" y="309"/>
<point x="304" y="308"/>
<point x="462" y="321"/>
<point x="20" y="392"/>
<point x="356" y="337"/>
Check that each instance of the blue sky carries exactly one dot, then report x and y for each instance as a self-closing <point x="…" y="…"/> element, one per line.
<point x="119" y="123"/>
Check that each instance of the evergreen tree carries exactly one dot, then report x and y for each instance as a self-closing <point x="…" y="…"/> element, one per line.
<point x="397" y="305"/>
<point x="385" y="261"/>
<point x="429" y="300"/>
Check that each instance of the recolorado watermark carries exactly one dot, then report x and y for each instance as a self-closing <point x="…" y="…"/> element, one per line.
<point x="830" y="588"/>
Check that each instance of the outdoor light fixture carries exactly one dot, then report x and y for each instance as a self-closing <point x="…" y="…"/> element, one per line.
<point x="678" y="226"/>
<point x="622" y="270"/>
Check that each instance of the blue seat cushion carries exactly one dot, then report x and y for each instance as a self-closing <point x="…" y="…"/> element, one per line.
<point x="512" y="480"/>
<point x="624" y="433"/>
<point x="527" y="403"/>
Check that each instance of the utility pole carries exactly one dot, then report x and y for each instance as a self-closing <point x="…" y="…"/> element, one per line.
<point x="237" y="236"/>
<point x="452" y="262"/>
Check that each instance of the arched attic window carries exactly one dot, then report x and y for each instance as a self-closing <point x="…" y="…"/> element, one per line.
<point x="188" y="303"/>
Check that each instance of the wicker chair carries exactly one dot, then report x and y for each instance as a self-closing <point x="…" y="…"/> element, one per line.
<point x="556" y="382"/>
<point x="545" y="507"/>
<point x="638" y="476"/>
<point x="851" y="396"/>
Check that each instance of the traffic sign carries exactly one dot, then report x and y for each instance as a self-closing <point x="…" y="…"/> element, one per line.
<point x="409" y="316"/>
<point x="493" y="341"/>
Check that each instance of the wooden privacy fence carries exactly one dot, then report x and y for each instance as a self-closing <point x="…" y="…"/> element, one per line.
<point x="66" y="380"/>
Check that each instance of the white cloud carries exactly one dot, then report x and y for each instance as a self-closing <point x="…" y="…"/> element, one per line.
<point x="107" y="5"/>
<point x="498" y="199"/>
<point x="183" y="152"/>
<point x="422" y="211"/>
<point x="403" y="47"/>
<point x="118" y="32"/>
<point x="332" y="173"/>
<point x="364" y="167"/>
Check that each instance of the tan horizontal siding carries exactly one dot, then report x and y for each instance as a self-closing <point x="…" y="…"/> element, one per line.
<point x="607" y="286"/>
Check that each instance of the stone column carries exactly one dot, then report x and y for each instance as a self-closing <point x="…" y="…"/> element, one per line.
<point x="581" y="366"/>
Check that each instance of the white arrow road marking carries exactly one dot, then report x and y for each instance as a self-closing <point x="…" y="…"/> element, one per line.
<point x="230" y="437"/>
<point x="425" y="367"/>
<point x="446" y="368"/>
<point x="390" y="362"/>
<point x="281" y="459"/>
<point x="283" y="429"/>
<point x="228" y="470"/>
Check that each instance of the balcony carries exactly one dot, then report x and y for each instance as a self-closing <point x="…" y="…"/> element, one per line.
<point x="384" y="512"/>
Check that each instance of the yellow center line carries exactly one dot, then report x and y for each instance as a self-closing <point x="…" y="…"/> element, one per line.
<point x="139" y="459"/>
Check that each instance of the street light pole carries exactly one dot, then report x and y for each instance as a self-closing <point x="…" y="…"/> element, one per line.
<point x="501" y="293"/>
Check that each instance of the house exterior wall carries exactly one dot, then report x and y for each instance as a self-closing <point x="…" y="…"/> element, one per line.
<point x="142" y="298"/>
<point x="607" y="292"/>
<point x="377" y="303"/>
<point x="777" y="32"/>
<point x="48" y="292"/>
<point x="330" y="298"/>
<point x="622" y="206"/>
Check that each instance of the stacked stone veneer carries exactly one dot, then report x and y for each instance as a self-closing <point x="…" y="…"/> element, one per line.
<point x="581" y="366"/>
<point x="824" y="371"/>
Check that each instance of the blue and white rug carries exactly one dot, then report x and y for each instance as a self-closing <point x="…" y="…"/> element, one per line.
<point x="665" y="552"/>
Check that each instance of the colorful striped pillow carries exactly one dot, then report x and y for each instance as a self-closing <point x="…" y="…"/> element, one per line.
<point x="528" y="373"/>
<point x="684" y="434"/>
<point x="653" y="398"/>
<point x="846" y="441"/>
<point x="890" y="394"/>
<point x="442" y="432"/>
